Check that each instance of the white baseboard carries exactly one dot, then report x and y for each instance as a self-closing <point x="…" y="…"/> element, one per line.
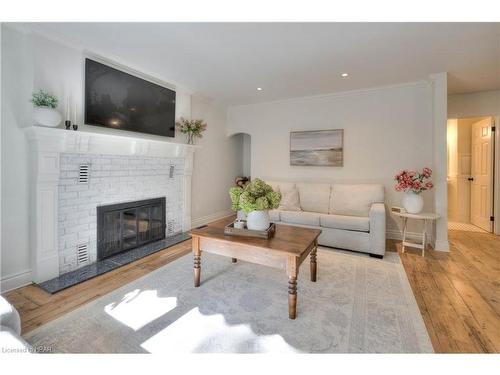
<point x="442" y="246"/>
<point x="15" y="281"/>
<point x="395" y="234"/>
<point x="212" y="217"/>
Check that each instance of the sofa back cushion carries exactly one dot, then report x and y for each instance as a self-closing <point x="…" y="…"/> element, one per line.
<point x="314" y="197"/>
<point x="290" y="200"/>
<point x="355" y="200"/>
<point x="289" y="195"/>
<point x="281" y="187"/>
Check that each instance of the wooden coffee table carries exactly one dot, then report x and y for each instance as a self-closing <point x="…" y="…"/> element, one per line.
<point x="289" y="247"/>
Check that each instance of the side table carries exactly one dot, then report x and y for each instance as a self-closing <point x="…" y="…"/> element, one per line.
<point x="425" y="217"/>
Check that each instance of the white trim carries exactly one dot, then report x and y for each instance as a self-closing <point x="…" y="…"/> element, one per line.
<point x="15" y="281"/>
<point x="496" y="184"/>
<point x="212" y="217"/>
<point x="99" y="141"/>
<point x="440" y="120"/>
<point x="396" y="234"/>
<point x="338" y="93"/>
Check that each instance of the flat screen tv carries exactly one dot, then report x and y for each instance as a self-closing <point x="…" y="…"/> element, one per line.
<point x="115" y="99"/>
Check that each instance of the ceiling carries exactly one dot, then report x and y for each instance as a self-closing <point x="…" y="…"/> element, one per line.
<point x="228" y="61"/>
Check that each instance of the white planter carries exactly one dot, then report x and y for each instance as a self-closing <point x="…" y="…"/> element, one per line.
<point x="240" y="215"/>
<point x="45" y="116"/>
<point x="413" y="203"/>
<point x="258" y="220"/>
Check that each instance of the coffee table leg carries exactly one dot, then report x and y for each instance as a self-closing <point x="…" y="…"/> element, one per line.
<point x="234" y="260"/>
<point x="292" y="297"/>
<point x="197" y="261"/>
<point x="292" y="270"/>
<point x="313" y="265"/>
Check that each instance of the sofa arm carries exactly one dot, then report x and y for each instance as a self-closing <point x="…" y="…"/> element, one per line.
<point x="9" y="317"/>
<point x="377" y="229"/>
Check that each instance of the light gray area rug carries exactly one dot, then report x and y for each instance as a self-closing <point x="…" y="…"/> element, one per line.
<point x="358" y="305"/>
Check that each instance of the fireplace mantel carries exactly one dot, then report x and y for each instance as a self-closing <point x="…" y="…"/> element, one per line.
<point x="46" y="145"/>
<point x="84" y="141"/>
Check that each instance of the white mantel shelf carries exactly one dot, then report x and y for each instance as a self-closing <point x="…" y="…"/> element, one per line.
<point x="94" y="142"/>
<point x="46" y="146"/>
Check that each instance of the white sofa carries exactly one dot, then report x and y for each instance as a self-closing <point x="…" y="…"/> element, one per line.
<point x="351" y="217"/>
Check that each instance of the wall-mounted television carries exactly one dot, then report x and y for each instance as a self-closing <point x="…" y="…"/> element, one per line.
<point x="115" y="99"/>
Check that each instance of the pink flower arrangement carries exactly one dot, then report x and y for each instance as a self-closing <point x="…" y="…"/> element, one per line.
<point x="414" y="181"/>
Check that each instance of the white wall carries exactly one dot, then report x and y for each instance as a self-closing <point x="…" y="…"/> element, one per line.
<point x="31" y="62"/>
<point x="385" y="130"/>
<point x="247" y="154"/>
<point x="485" y="103"/>
<point x="17" y="82"/>
<point x="216" y="164"/>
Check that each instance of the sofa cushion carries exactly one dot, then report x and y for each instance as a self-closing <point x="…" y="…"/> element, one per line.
<point x="355" y="200"/>
<point x="357" y="223"/>
<point x="300" y="217"/>
<point x="281" y="187"/>
<point x="274" y="215"/>
<point x="314" y="197"/>
<point x="290" y="200"/>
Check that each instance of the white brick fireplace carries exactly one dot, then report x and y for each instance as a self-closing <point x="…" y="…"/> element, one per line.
<point x="121" y="168"/>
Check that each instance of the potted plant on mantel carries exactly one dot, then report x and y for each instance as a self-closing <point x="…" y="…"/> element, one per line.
<point x="255" y="199"/>
<point x="413" y="183"/>
<point x="193" y="128"/>
<point x="45" y="113"/>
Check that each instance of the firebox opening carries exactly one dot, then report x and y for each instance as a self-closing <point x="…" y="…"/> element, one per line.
<point x="128" y="225"/>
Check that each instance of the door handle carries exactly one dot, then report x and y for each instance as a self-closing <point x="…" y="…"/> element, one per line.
<point x="471" y="179"/>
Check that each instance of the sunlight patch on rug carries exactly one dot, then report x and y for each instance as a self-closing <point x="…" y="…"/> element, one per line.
<point x="137" y="309"/>
<point x="195" y="332"/>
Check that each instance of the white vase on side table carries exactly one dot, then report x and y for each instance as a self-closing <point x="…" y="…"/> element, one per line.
<point x="258" y="220"/>
<point x="413" y="203"/>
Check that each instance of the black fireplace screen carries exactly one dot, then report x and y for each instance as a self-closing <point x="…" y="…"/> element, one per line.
<point x="128" y="225"/>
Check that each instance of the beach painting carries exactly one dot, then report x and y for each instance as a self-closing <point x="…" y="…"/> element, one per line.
<point x="318" y="148"/>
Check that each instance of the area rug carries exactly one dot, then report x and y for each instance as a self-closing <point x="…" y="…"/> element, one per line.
<point x="358" y="305"/>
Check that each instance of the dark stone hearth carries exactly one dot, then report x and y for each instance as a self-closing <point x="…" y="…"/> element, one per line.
<point x="102" y="266"/>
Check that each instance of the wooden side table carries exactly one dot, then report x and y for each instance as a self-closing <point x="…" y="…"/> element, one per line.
<point x="425" y="217"/>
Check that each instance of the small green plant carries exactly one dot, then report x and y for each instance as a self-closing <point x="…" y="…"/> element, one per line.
<point x="44" y="99"/>
<point x="194" y="127"/>
<point x="256" y="196"/>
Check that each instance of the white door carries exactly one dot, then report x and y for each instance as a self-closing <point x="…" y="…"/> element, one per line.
<point x="482" y="172"/>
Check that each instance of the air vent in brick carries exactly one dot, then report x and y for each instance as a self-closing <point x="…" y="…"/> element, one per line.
<point x="84" y="174"/>
<point x="170" y="227"/>
<point x="82" y="253"/>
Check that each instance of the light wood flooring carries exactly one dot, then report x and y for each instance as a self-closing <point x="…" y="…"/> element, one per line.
<point x="458" y="293"/>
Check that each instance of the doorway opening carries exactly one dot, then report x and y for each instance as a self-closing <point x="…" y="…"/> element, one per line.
<point x="471" y="174"/>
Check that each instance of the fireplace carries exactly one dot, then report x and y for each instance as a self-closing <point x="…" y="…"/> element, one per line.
<point x="125" y="226"/>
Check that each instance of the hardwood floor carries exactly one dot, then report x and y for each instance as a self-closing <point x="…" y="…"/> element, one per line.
<point x="38" y="307"/>
<point x="458" y="293"/>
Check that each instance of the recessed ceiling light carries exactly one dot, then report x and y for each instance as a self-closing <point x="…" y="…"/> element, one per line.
<point x="344" y="75"/>
<point x="259" y="88"/>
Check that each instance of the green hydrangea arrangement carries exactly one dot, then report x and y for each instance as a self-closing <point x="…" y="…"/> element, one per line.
<point x="44" y="99"/>
<point x="256" y="196"/>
